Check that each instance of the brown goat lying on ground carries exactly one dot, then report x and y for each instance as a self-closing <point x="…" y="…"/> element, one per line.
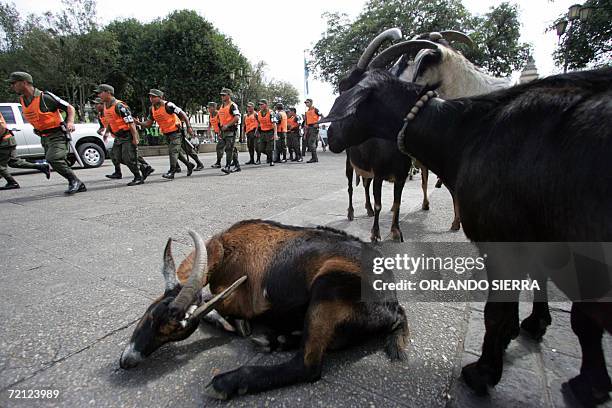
<point x="297" y="279"/>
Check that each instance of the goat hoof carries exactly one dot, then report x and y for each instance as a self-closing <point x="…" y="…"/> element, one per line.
<point x="455" y="226"/>
<point x="580" y="389"/>
<point x="425" y="206"/>
<point x="370" y="211"/>
<point x="477" y="379"/>
<point x="375" y="237"/>
<point x="397" y="235"/>
<point x="351" y="214"/>
<point x="213" y="393"/>
<point x="534" y="327"/>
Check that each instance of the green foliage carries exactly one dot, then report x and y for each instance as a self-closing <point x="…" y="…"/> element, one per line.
<point x="182" y="54"/>
<point x="587" y="43"/>
<point x="495" y="34"/>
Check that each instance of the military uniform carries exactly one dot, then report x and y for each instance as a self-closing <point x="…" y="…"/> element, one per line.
<point x="311" y="130"/>
<point x="42" y="111"/>
<point x="8" y="157"/>
<point x="293" y="137"/>
<point x="166" y="114"/>
<point x="281" y="132"/>
<point x="250" y="129"/>
<point x="215" y="129"/>
<point x="267" y="119"/>
<point x="227" y="112"/>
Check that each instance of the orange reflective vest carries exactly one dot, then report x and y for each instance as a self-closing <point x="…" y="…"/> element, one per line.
<point x="292" y="124"/>
<point x="311" y="116"/>
<point x="225" y="117"/>
<point x="168" y="122"/>
<point x="103" y="120"/>
<point x="40" y="120"/>
<point x="265" y="122"/>
<point x="115" y="120"/>
<point x="214" y="122"/>
<point x="282" y="126"/>
<point x="250" y="122"/>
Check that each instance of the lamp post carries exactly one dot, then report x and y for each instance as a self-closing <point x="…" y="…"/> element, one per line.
<point x="574" y="12"/>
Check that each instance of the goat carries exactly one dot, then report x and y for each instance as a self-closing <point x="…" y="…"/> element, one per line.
<point x="379" y="160"/>
<point x="306" y="279"/>
<point x="437" y="62"/>
<point x="485" y="148"/>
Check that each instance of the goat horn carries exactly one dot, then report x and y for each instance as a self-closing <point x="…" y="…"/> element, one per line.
<point x="392" y="53"/>
<point x="169" y="268"/>
<point x="457" y="36"/>
<point x="198" y="273"/>
<point x="366" y="57"/>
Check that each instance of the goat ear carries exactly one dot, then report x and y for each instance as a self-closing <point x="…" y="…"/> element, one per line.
<point x="427" y="59"/>
<point x="347" y="103"/>
<point x="169" y="268"/>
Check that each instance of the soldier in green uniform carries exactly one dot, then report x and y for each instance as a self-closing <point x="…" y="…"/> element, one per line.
<point x="42" y="110"/>
<point x="168" y="116"/>
<point x="121" y="124"/>
<point x="145" y="167"/>
<point x="229" y="115"/>
<point x="267" y="130"/>
<point x="8" y="157"/>
<point x="214" y="131"/>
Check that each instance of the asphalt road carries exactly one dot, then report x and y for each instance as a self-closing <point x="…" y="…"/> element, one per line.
<point x="79" y="271"/>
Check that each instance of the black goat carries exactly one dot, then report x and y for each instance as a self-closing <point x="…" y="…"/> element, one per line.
<point x="297" y="279"/>
<point x="504" y="156"/>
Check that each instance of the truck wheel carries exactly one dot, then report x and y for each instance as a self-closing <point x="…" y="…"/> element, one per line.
<point x="91" y="154"/>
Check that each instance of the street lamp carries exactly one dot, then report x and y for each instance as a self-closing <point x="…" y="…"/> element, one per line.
<point x="574" y="12"/>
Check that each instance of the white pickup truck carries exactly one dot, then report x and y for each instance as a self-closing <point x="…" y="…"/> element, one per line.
<point x="88" y="142"/>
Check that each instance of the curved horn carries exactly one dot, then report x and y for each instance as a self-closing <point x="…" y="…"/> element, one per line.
<point x="198" y="272"/>
<point x="169" y="268"/>
<point x="457" y="36"/>
<point x="392" y="53"/>
<point x="390" y="34"/>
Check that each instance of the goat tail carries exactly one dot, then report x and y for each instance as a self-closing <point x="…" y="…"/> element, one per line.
<point x="398" y="337"/>
<point x="357" y="179"/>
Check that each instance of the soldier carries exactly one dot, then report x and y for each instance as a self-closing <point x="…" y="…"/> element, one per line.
<point x="42" y="110"/>
<point x="249" y="128"/>
<point x="168" y="116"/>
<point x="214" y="130"/>
<point x="8" y="157"/>
<point x="267" y="130"/>
<point x="188" y="147"/>
<point x="293" y="135"/>
<point x="121" y="124"/>
<point x="103" y="131"/>
<point x="281" y="131"/>
<point x="311" y="129"/>
<point x="228" y="120"/>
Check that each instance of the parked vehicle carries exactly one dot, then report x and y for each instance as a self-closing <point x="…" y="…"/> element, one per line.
<point x="88" y="142"/>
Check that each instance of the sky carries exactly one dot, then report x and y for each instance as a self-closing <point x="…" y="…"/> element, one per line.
<point x="278" y="33"/>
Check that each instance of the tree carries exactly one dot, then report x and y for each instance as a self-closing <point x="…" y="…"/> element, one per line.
<point x="587" y="42"/>
<point x="496" y="34"/>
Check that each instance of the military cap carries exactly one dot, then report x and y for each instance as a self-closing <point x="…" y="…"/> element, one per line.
<point x="97" y="101"/>
<point x="19" y="76"/>
<point x="103" y="88"/>
<point x="225" y="91"/>
<point x="308" y="100"/>
<point x="212" y="104"/>
<point x="156" y="92"/>
<point x="251" y="104"/>
<point x="263" y="101"/>
<point x="279" y="105"/>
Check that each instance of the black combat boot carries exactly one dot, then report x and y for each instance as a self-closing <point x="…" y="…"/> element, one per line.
<point x="236" y="167"/>
<point x="177" y="169"/>
<point x="190" y="167"/>
<point x="226" y="169"/>
<point x="137" y="181"/>
<point x="169" y="175"/>
<point x="146" y="171"/>
<point x="115" y="175"/>
<point x="216" y="165"/>
<point x="11" y="184"/>
<point x="291" y="156"/>
<point x="314" y="158"/>
<point x="44" y="168"/>
<point x="199" y="166"/>
<point x="75" y="186"/>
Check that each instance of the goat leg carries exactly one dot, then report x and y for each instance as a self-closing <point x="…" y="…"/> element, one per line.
<point x="368" y="204"/>
<point x="396" y="232"/>
<point x="375" y="234"/>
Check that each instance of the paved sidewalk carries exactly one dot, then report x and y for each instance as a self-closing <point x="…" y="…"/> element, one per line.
<point x="79" y="271"/>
